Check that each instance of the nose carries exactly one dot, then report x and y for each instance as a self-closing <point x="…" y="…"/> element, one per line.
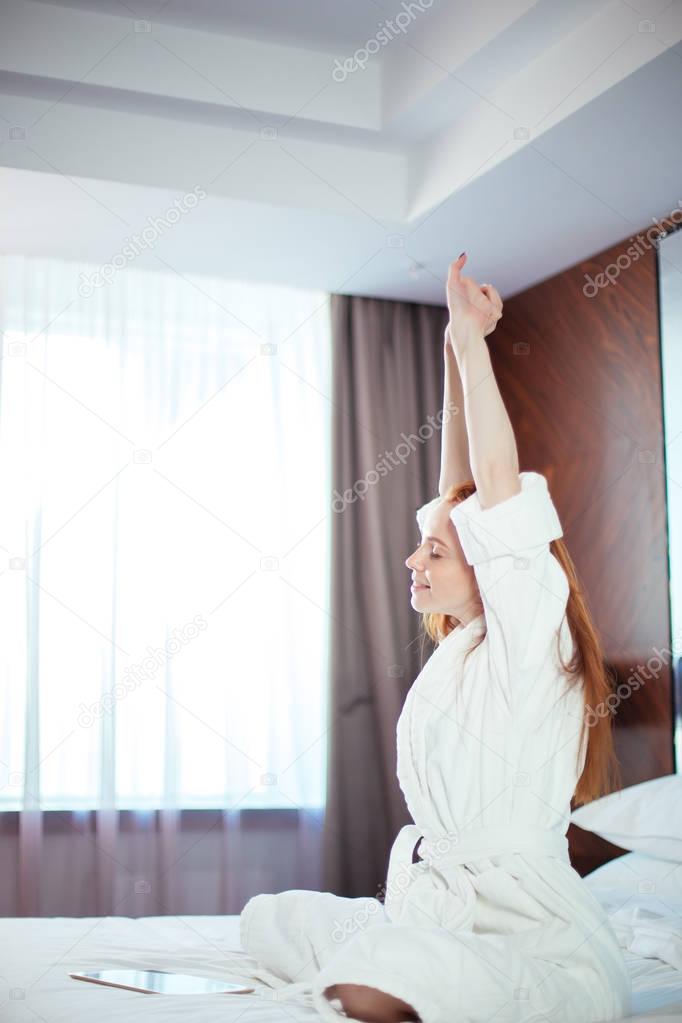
<point x="411" y="561"/>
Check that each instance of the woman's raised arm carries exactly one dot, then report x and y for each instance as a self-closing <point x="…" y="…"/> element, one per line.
<point x="454" y="444"/>
<point x="493" y="455"/>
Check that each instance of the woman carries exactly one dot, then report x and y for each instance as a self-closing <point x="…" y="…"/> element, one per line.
<point x="483" y="919"/>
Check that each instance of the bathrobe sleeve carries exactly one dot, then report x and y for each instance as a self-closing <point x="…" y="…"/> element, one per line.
<point x="524" y="589"/>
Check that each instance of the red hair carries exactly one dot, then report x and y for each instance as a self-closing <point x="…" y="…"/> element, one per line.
<point x="587" y="667"/>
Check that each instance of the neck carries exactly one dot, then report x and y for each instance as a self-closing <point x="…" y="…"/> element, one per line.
<point x="466" y="616"/>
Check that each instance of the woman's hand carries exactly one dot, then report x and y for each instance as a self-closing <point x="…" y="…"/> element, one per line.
<point x="474" y="309"/>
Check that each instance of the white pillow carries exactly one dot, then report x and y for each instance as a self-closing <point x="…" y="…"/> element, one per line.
<point x="636" y="873"/>
<point x="645" y="818"/>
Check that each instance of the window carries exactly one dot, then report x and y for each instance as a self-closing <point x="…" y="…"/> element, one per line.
<point x="165" y="458"/>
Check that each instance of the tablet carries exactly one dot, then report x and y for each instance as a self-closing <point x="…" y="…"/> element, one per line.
<point x="160" y="982"/>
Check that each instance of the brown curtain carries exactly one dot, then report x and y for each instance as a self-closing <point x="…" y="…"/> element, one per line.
<point x="387" y="398"/>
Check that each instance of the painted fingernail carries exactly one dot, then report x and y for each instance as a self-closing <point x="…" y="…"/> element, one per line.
<point x="461" y="254"/>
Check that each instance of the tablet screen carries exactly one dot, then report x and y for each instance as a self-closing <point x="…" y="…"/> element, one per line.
<point x="160" y="982"/>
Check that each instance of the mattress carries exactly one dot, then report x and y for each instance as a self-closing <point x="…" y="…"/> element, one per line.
<point x="39" y="953"/>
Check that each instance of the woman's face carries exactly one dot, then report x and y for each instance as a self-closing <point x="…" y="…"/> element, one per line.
<point x="443" y="581"/>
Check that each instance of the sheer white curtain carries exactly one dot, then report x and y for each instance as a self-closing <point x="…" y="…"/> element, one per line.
<point x="165" y="531"/>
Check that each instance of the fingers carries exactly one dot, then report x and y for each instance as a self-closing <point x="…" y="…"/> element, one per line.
<point x="485" y="297"/>
<point x="456" y="267"/>
<point x="493" y="297"/>
<point x="455" y="279"/>
<point x="493" y="294"/>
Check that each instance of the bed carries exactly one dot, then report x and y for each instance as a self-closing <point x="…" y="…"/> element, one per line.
<point x="39" y="953"/>
<point x="640" y="890"/>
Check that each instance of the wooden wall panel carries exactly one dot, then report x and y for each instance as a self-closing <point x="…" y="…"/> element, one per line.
<point x="581" y="379"/>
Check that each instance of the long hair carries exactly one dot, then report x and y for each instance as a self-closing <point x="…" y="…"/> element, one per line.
<point x="587" y="668"/>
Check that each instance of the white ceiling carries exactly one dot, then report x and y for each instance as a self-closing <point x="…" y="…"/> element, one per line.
<point x="533" y="134"/>
<point x="319" y="24"/>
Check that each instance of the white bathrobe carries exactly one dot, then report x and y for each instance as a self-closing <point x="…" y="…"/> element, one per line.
<point x="493" y="923"/>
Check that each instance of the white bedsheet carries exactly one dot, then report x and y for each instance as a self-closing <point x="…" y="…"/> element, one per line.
<point x="656" y="988"/>
<point x="38" y="954"/>
<point x="649" y="930"/>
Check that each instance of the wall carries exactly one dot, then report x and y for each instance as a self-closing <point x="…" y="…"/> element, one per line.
<point x="581" y="379"/>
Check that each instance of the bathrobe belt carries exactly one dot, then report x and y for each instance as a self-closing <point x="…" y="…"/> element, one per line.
<point x="479" y="843"/>
<point x="445" y="853"/>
